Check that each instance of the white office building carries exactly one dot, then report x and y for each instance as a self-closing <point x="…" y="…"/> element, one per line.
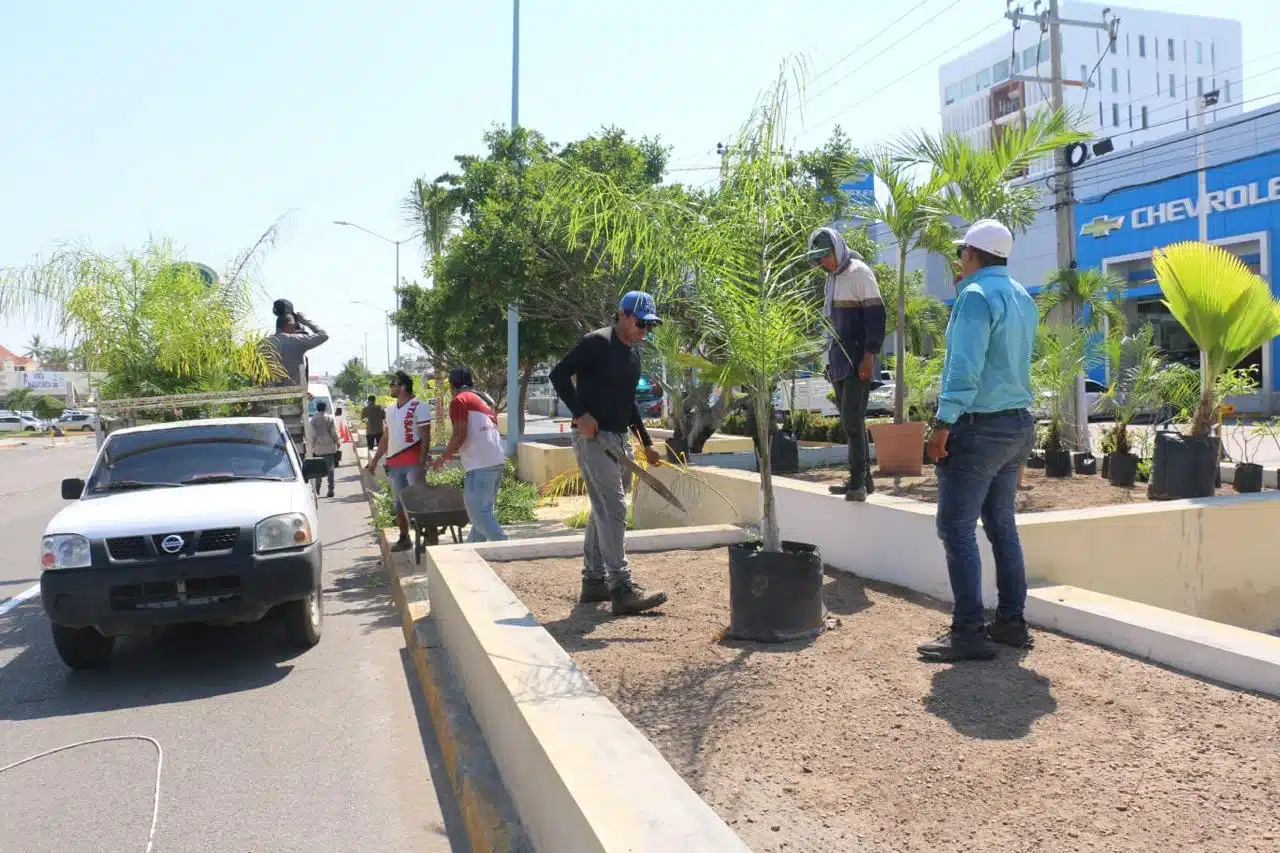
<point x="1140" y="88"/>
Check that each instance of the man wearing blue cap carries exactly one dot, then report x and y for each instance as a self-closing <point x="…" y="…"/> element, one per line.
<point x="597" y="381"/>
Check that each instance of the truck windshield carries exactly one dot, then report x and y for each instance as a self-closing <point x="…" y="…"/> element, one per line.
<point x="192" y="454"/>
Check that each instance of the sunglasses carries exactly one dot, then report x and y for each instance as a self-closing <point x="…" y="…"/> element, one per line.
<point x="645" y="325"/>
<point x="960" y="251"/>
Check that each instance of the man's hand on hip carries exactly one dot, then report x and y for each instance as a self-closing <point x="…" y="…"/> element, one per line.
<point x="938" y="444"/>
<point x="587" y="426"/>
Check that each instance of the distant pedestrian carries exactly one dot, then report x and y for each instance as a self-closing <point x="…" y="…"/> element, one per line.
<point x="855" y="310"/>
<point x="477" y="442"/>
<point x="606" y="368"/>
<point x="981" y="436"/>
<point x="322" y="438"/>
<point x="374" y="418"/>
<point x="406" y="444"/>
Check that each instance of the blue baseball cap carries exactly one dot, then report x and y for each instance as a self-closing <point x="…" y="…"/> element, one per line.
<point x="641" y="306"/>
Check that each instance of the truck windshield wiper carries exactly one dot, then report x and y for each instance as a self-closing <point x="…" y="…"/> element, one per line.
<point x="227" y="478"/>
<point x="125" y="485"/>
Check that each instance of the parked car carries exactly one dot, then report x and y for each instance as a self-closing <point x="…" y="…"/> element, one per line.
<point x="20" y="422"/>
<point x="210" y="521"/>
<point x="880" y="400"/>
<point x="1095" y="393"/>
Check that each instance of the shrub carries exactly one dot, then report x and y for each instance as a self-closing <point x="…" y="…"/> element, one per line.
<point x="516" y="499"/>
<point x="734" y="424"/>
<point x="836" y="434"/>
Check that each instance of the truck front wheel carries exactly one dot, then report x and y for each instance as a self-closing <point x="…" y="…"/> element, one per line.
<point x="82" y="648"/>
<point x="304" y="619"/>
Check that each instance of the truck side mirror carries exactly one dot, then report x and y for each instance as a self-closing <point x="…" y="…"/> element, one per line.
<point x="72" y="489"/>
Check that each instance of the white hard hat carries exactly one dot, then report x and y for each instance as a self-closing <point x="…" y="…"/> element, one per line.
<point x="990" y="236"/>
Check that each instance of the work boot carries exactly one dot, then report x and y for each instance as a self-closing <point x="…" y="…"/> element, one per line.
<point x="957" y="645"/>
<point x="594" y="591"/>
<point x="840" y="488"/>
<point x="630" y="599"/>
<point x="402" y="544"/>
<point x="330" y="494"/>
<point x="1010" y="632"/>
<point x="859" y="494"/>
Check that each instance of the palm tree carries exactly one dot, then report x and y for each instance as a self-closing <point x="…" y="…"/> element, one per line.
<point x="744" y="246"/>
<point x="35" y="348"/>
<point x="1226" y="309"/>
<point x="926" y="316"/>
<point x="432" y="208"/>
<point x="1091" y="298"/>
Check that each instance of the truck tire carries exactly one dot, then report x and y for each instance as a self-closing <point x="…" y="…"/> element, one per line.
<point x="82" y="648"/>
<point x="304" y="620"/>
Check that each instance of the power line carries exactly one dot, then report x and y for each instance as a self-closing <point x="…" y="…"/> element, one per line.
<point x="883" y="52"/>
<point x="880" y="91"/>
<point x="881" y="32"/>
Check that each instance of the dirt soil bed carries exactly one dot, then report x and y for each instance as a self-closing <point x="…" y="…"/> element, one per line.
<point x="1038" y="493"/>
<point x="851" y="743"/>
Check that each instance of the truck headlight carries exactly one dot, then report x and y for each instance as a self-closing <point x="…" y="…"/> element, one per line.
<point x="64" y="551"/>
<point x="291" y="530"/>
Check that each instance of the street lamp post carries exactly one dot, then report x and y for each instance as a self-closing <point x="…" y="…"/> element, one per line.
<point x="513" y="316"/>
<point x="387" y="315"/>
<point x="395" y="290"/>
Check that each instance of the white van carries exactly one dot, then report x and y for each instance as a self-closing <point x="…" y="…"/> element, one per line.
<point x="318" y="391"/>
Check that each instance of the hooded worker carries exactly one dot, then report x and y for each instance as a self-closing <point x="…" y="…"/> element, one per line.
<point x="855" y="313"/>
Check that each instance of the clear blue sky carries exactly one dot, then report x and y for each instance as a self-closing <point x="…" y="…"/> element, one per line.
<point x="205" y="122"/>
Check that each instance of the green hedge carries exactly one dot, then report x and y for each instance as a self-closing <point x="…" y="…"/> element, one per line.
<point x="516" y="499"/>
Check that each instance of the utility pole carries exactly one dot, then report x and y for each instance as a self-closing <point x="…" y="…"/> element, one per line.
<point x="396" y="292"/>
<point x="1208" y="99"/>
<point x="513" y="316"/>
<point x="1051" y="22"/>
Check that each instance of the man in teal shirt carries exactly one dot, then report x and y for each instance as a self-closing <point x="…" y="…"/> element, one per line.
<point x="981" y="437"/>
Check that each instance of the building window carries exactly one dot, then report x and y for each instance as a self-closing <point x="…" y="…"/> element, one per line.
<point x="1158" y="92"/>
<point x="1131" y="115"/>
<point x="1199" y="85"/>
<point x="1115" y="115"/>
<point x="1115" y="79"/>
<point x="1113" y="45"/>
<point x="1000" y="71"/>
<point x="1084" y="77"/>
<point x="1173" y="86"/>
<point x="952" y="94"/>
<point x="1101" y="121"/>
<point x="1016" y="64"/>
<point x="1128" y="80"/>
<point x="1142" y="45"/>
<point x="1030" y="57"/>
<point x="968" y="86"/>
<point x="1213" y="55"/>
<point x="1199" y="53"/>
<point x="1171" y="54"/>
<point x="1226" y="90"/>
<point x="1144" y="118"/>
<point x="984" y="78"/>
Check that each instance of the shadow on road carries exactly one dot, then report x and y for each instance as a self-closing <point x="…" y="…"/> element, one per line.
<point x="178" y="664"/>
<point x="361" y="589"/>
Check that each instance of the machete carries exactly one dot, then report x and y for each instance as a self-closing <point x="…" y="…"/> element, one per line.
<point x="651" y="481"/>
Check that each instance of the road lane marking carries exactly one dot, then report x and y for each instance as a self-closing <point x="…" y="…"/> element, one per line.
<point x="26" y="595"/>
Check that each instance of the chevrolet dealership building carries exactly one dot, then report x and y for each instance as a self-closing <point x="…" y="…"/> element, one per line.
<point x="1134" y="200"/>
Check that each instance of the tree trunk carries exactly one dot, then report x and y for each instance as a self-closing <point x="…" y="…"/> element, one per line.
<point x="1202" y="423"/>
<point x="770" y="536"/>
<point x="900" y="340"/>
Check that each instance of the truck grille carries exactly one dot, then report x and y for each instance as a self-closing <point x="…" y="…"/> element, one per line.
<point x="128" y="548"/>
<point x="222" y="539"/>
<point x="166" y="595"/>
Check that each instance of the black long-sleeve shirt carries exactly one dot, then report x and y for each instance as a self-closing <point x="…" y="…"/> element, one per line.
<point x="607" y="371"/>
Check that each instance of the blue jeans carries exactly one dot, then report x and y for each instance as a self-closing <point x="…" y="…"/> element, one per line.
<point x="979" y="479"/>
<point x="479" y="493"/>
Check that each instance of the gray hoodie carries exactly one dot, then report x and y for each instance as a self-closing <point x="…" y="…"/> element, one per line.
<point x="289" y="351"/>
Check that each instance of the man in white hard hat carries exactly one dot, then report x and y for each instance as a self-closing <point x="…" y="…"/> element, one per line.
<point x="981" y="436"/>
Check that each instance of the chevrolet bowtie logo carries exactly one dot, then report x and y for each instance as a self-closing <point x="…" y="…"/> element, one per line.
<point x="1101" y="226"/>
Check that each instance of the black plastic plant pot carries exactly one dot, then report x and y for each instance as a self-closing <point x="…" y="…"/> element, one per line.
<point x="1035" y="460"/>
<point x="1248" y="478"/>
<point x="1123" y="468"/>
<point x="1104" y="470"/>
<point x="775" y="597"/>
<point x="1057" y="463"/>
<point x="1183" y="466"/>
<point x="784" y="453"/>
<point x="1086" y="464"/>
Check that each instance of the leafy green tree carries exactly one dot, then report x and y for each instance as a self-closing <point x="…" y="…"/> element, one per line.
<point x="354" y="379"/>
<point x="831" y="165"/>
<point x="36" y="348"/>
<point x="47" y="407"/>
<point x="56" y="358"/>
<point x="20" y="399"/>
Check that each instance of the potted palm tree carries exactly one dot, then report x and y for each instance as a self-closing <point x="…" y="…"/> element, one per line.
<point x="1061" y="352"/>
<point x="1229" y="312"/>
<point x="745" y="247"/>
<point x="1136" y="367"/>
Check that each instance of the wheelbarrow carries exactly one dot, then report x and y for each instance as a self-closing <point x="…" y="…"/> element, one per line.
<point x="432" y="510"/>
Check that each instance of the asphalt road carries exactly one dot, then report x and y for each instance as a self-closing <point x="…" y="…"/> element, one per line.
<point x="265" y="750"/>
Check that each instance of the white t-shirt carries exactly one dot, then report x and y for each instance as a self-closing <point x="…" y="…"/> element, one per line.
<point x="404" y="445"/>
<point x="482" y="447"/>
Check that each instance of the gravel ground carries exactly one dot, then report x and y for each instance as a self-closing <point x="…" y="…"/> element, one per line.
<point x="1038" y="493"/>
<point x="850" y="743"/>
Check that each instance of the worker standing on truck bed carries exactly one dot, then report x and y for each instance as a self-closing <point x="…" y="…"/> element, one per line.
<point x="288" y="347"/>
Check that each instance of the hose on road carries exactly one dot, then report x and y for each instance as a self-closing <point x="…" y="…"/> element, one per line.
<point x="155" y="800"/>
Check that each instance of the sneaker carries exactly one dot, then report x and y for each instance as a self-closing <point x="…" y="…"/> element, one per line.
<point x="402" y="544"/>
<point x="958" y="645"/>
<point x="629" y="599"/>
<point x="330" y="494"/>
<point x="859" y="494"/>
<point x="1010" y="632"/>
<point x="594" y="591"/>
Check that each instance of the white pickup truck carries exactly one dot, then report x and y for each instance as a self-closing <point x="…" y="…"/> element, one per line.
<point x="195" y="521"/>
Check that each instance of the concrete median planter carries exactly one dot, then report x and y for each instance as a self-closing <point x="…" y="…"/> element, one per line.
<point x="899" y="448"/>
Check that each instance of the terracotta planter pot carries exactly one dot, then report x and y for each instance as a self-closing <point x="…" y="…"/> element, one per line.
<point x="898" y="448"/>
